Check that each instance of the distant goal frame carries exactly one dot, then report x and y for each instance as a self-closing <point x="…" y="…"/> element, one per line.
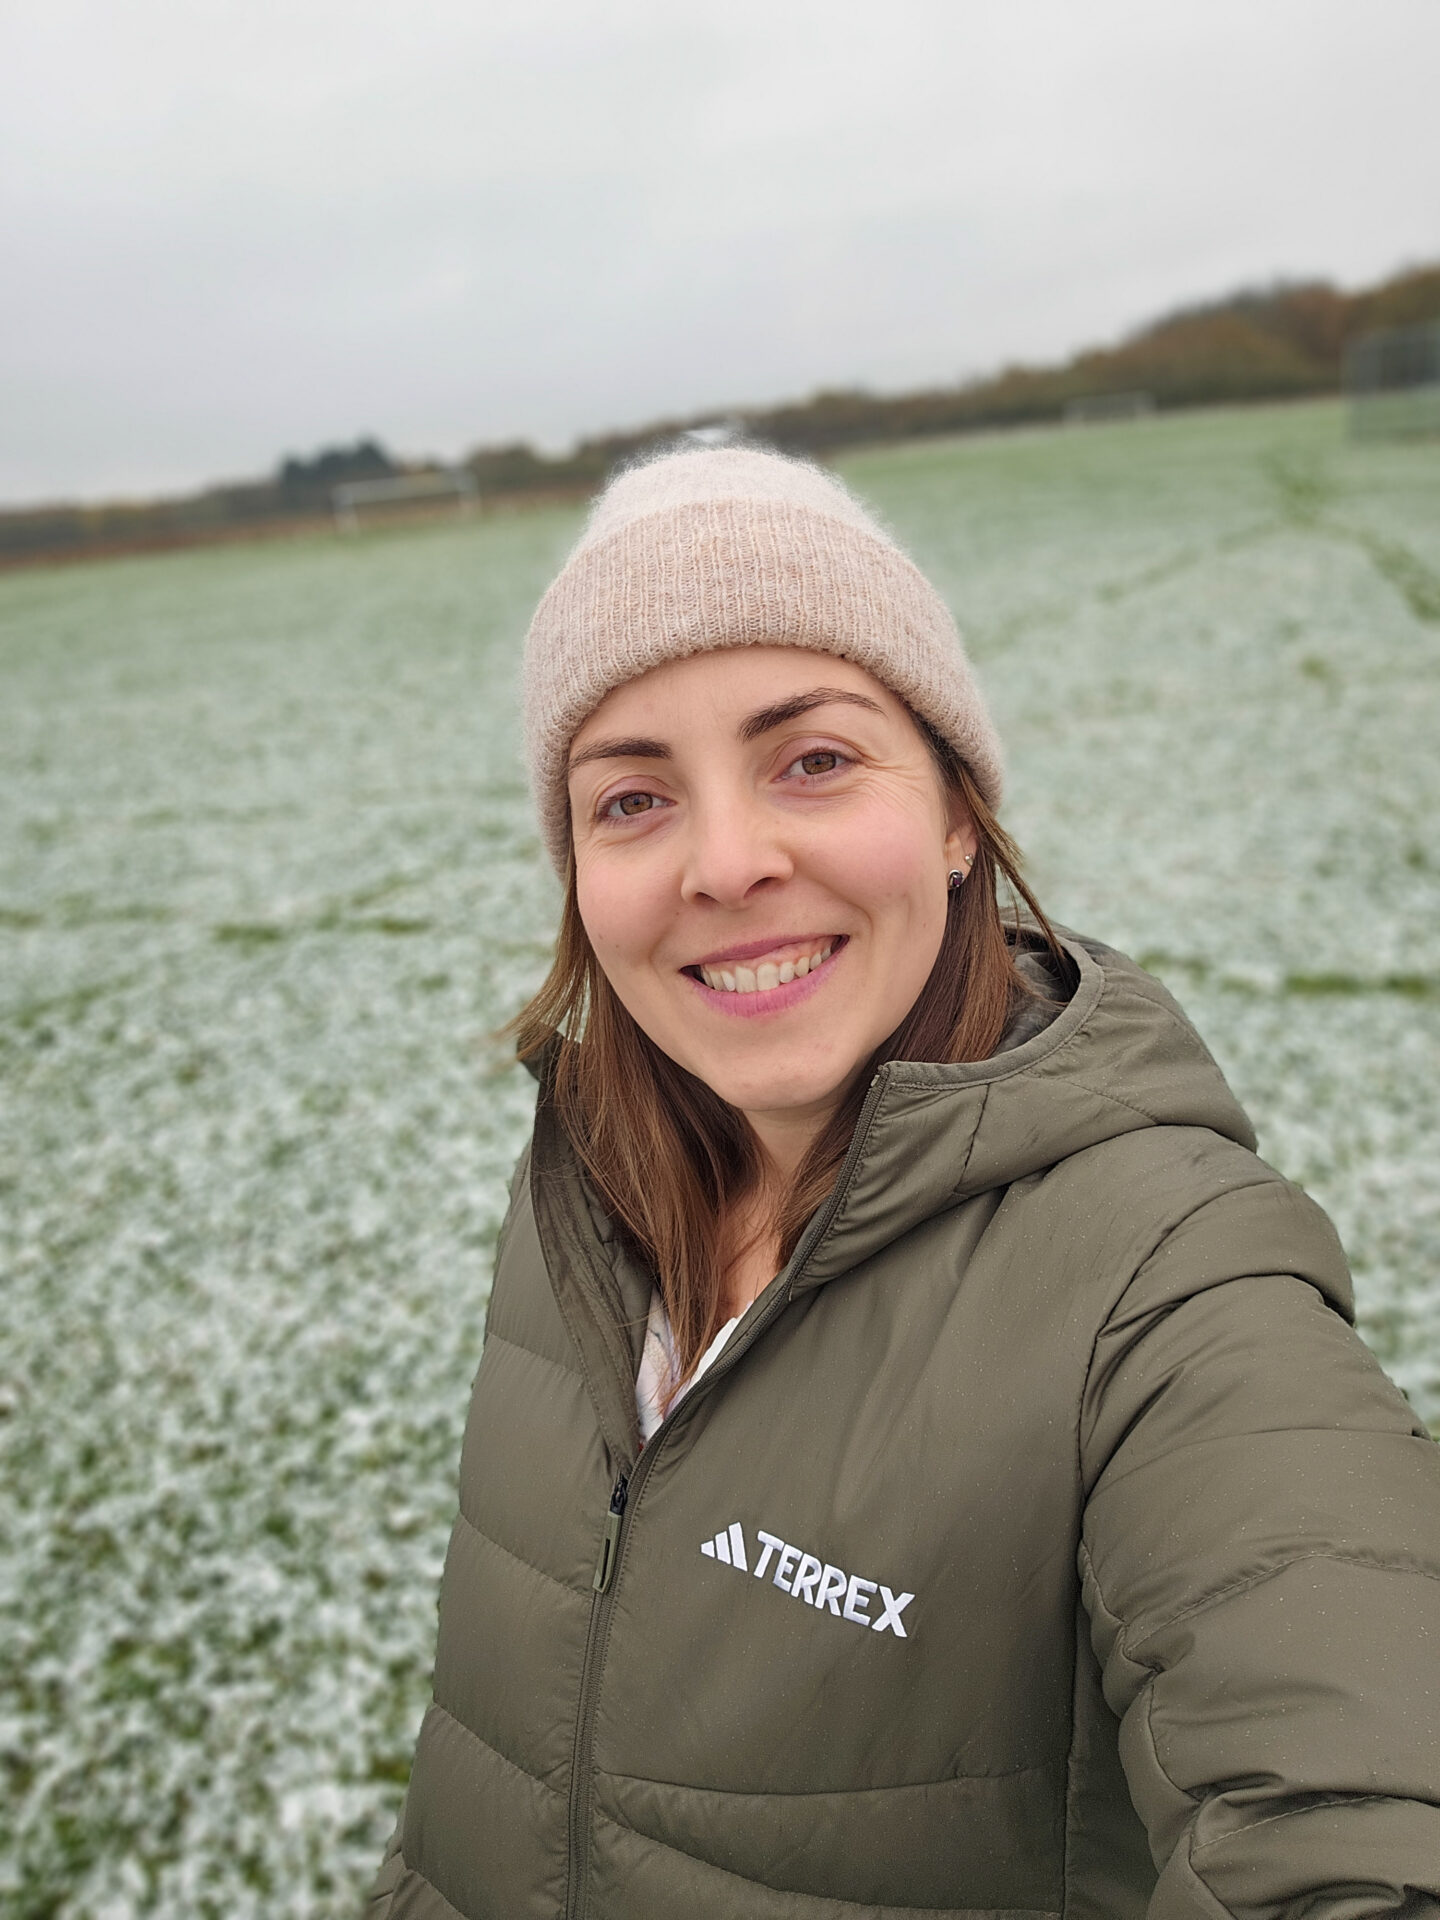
<point x="349" y="496"/>
<point x="1392" y="382"/>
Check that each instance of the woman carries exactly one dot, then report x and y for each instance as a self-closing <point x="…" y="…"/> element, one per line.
<point x="920" y="1461"/>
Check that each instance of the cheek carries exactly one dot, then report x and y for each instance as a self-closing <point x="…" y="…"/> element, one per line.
<point x="890" y="867"/>
<point x="621" y="916"/>
<point x="600" y="912"/>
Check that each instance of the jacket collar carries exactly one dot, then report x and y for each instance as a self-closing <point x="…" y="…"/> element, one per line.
<point x="1118" y="1057"/>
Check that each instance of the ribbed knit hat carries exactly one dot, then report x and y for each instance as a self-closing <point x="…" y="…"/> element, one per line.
<point x="732" y="547"/>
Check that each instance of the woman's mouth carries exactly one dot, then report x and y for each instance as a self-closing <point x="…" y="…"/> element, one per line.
<point x="767" y="973"/>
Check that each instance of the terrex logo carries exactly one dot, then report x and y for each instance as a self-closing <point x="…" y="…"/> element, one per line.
<point x="816" y="1582"/>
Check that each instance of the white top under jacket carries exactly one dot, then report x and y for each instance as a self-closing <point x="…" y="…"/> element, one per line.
<point x="653" y="1399"/>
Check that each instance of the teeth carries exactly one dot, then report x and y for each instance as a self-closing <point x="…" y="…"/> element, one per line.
<point x="765" y="977"/>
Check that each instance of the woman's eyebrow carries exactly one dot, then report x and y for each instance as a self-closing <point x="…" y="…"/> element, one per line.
<point x="619" y="750"/>
<point x="750" y="729"/>
<point x="798" y="704"/>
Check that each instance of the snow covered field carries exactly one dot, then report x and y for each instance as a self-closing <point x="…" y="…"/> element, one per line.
<point x="267" y="883"/>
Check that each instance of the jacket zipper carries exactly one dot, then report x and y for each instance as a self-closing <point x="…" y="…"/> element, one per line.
<point x="610" y="1541"/>
<point x="579" y="1831"/>
<point x="625" y="1488"/>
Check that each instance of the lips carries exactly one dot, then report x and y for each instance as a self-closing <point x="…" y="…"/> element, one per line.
<point x="764" y="967"/>
<point x="765" y="975"/>
<point x="778" y="946"/>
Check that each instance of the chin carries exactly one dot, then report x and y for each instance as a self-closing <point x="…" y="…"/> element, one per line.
<point x="777" y="1094"/>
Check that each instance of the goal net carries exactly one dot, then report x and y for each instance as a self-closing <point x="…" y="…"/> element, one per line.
<point x="405" y="489"/>
<point x="1392" y="381"/>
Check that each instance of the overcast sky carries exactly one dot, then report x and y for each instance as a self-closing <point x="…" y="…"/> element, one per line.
<point x="235" y="228"/>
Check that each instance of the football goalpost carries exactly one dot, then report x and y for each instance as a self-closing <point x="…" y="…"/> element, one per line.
<point x="1090" y="409"/>
<point x="351" y="495"/>
<point x="1392" y="381"/>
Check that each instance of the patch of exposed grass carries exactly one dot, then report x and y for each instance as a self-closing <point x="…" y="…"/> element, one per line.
<point x="1417" y="584"/>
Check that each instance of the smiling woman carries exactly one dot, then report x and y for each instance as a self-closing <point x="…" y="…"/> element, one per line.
<point x="819" y="812"/>
<point x="751" y="834"/>
<point x="894" y="1253"/>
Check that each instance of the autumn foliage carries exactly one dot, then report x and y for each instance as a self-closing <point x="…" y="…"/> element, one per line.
<point x="1278" y="342"/>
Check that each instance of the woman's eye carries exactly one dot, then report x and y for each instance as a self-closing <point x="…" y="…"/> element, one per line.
<point x="626" y="805"/>
<point x="818" y="760"/>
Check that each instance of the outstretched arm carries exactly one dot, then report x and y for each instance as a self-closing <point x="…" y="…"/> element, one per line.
<point x="1261" y="1566"/>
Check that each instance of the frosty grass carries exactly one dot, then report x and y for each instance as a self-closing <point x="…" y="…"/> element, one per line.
<point x="267" y="883"/>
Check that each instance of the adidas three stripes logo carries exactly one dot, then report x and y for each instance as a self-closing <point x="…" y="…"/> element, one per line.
<point x="727" y="1546"/>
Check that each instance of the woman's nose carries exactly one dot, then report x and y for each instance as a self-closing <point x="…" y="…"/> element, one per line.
<point x="732" y="847"/>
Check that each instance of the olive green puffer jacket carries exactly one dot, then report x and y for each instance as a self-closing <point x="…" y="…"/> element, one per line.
<point x="1044" y="1542"/>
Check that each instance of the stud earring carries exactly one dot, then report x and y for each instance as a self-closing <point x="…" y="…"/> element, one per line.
<point x="956" y="879"/>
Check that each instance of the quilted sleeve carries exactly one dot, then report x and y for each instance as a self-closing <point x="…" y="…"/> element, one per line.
<point x="392" y="1869"/>
<point x="1261" y="1568"/>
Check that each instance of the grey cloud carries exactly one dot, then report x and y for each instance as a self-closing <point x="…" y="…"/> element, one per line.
<point x="233" y="229"/>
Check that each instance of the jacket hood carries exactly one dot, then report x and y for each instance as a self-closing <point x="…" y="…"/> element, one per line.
<point x="1119" y="1056"/>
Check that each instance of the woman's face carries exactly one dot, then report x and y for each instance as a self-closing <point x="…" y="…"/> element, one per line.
<point x="762" y="849"/>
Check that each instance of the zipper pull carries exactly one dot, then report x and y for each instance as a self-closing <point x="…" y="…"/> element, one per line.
<point x="609" y="1545"/>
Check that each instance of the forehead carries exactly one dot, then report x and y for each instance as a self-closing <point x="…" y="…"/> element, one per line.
<point x="730" y="682"/>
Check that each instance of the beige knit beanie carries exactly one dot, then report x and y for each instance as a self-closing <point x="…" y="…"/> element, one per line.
<point x="732" y="547"/>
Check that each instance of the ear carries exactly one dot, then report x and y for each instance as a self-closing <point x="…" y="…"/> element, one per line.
<point x="962" y="842"/>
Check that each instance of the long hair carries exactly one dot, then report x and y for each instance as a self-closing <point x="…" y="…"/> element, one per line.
<point x="672" y="1162"/>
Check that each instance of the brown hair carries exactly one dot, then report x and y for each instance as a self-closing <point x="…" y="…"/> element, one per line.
<point x="671" y="1161"/>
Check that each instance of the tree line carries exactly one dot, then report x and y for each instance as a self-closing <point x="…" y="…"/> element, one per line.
<point x="1284" y="341"/>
